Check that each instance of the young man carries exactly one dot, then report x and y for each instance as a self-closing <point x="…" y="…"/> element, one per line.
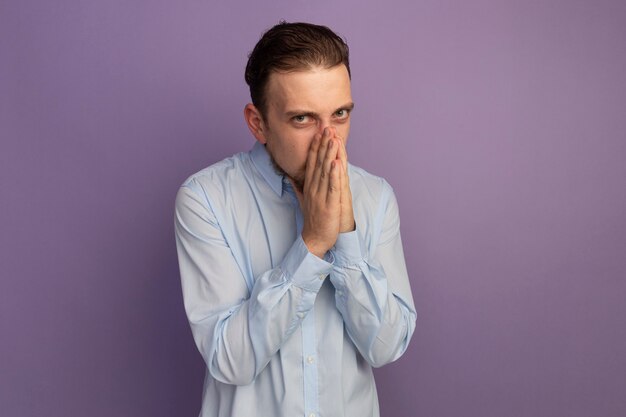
<point x="292" y="267"/>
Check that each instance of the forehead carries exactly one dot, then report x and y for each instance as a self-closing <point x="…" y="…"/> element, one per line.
<point x="315" y="89"/>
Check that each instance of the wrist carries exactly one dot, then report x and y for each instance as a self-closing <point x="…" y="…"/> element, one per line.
<point x="314" y="247"/>
<point x="349" y="227"/>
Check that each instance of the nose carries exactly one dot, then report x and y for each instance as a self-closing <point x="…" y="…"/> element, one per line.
<point x="325" y="124"/>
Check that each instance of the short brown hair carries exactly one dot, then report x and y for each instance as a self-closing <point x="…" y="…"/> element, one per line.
<point x="292" y="47"/>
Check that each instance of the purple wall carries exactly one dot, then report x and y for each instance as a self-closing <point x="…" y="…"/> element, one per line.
<point x="500" y="125"/>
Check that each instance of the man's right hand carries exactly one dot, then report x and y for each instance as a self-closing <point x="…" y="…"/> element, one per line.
<point x="320" y="199"/>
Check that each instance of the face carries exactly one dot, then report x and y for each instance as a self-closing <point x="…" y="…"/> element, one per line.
<point x="300" y="105"/>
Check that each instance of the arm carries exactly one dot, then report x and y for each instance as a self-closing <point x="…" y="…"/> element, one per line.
<point x="237" y="331"/>
<point x="372" y="291"/>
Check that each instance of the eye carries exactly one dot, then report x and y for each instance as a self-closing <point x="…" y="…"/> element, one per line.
<point x="342" y="113"/>
<point x="300" y="119"/>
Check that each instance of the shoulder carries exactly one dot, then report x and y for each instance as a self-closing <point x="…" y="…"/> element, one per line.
<point x="213" y="183"/>
<point x="222" y="172"/>
<point x="219" y="176"/>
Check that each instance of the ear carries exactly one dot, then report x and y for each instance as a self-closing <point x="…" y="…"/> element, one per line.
<point x="255" y="122"/>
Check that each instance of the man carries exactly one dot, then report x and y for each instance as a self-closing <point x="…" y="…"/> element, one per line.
<point x="291" y="261"/>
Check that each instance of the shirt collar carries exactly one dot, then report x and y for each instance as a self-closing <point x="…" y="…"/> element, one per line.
<point x="261" y="159"/>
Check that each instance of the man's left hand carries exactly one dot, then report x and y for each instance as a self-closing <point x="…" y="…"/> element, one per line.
<point x="347" y="223"/>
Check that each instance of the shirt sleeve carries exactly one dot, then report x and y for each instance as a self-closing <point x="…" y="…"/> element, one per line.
<point x="238" y="330"/>
<point x="372" y="290"/>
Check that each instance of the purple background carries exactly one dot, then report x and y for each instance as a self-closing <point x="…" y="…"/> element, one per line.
<point x="500" y="125"/>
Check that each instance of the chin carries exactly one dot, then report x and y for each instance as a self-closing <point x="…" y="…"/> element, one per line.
<point x="297" y="180"/>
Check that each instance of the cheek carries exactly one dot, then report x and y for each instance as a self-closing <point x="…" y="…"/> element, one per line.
<point x="301" y="141"/>
<point x="343" y="131"/>
<point x="303" y="151"/>
<point x="294" y="153"/>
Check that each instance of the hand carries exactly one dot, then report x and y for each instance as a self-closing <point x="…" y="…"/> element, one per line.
<point x="320" y="200"/>
<point x="347" y="213"/>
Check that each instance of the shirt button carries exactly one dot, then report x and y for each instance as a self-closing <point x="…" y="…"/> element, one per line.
<point x="310" y="359"/>
<point x="322" y="276"/>
<point x="312" y="415"/>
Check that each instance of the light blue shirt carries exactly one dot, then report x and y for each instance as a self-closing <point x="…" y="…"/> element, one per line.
<point x="283" y="332"/>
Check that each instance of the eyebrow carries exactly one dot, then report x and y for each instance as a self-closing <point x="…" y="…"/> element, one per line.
<point x="293" y="113"/>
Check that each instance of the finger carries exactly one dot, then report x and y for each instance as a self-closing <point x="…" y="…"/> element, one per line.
<point x="343" y="155"/>
<point x="317" y="167"/>
<point x="347" y="214"/>
<point x="346" y="194"/>
<point x="324" y="143"/>
<point x="311" y="161"/>
<point x="331" y="155"/>
<point x="344" y="171"/>
<point x="319" y="171"/>
<point x="319" y="161"/>
<point x="333" y="196"/>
